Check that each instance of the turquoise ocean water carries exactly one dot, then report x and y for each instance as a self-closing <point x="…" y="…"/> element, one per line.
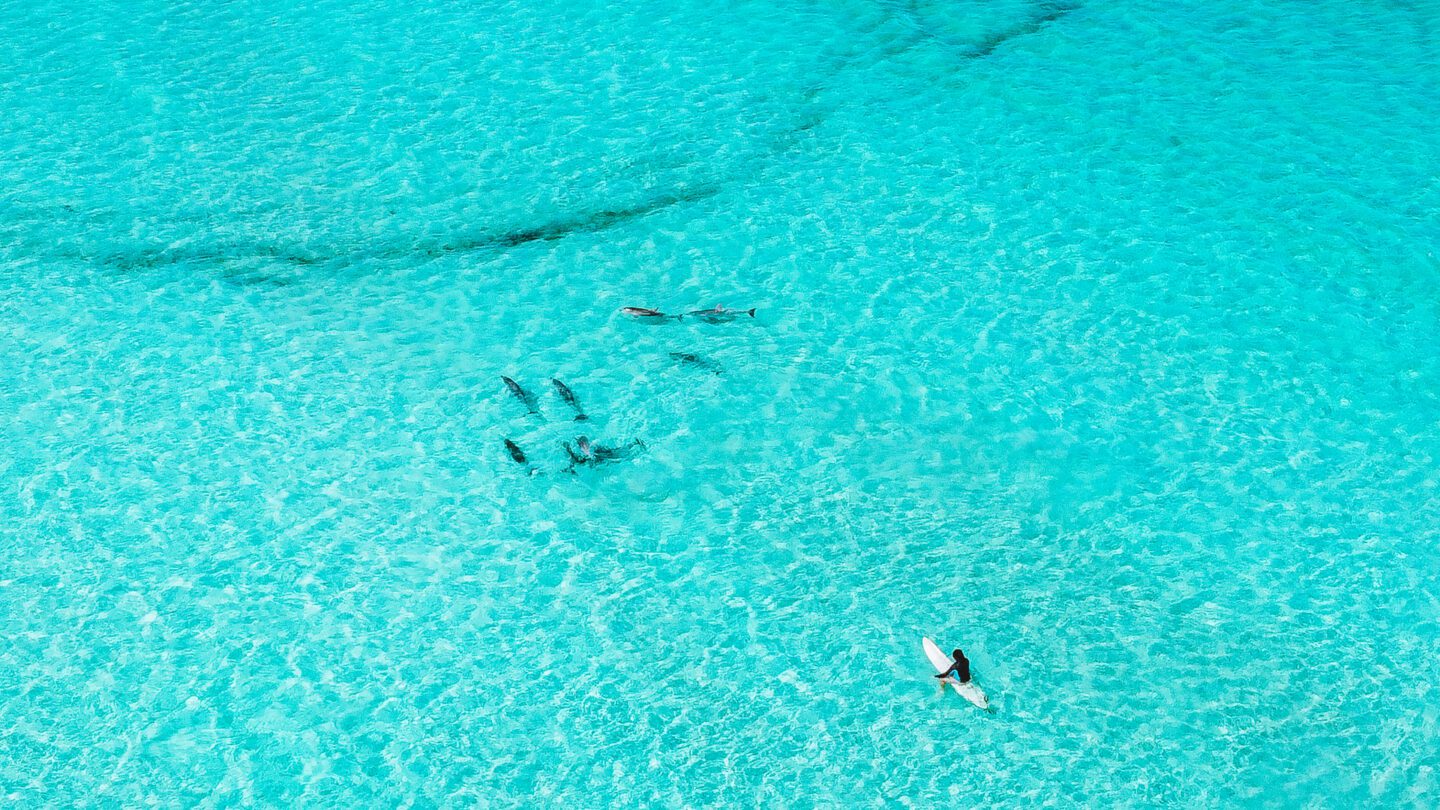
<point x="1099" y="338"/>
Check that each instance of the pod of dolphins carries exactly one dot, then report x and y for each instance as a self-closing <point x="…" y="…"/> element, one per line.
<point x="715" y="314"/>
<point x="584" y="453"/>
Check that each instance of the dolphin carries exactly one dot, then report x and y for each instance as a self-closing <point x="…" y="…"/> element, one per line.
<point x="602" y="453"/>
<point x="719" y="314"/>
<point x="582" y="457"/>
<point x="585" y="454"/>
<point x="521" y="394"/>
<point x="648" y="315"/>
<point x="569" y="397"/>
<point x="515" y="452"/>
<point x="697" y="361"/>
<point x="519" y="456"/>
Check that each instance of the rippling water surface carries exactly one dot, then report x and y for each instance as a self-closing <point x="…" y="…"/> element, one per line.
<point x="1097" y="338"/>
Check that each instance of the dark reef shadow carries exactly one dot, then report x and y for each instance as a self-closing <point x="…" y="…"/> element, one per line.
<point x="590" y="222"/>
<point x="237" y="260"/>
<point x="598" y="220"/>
<point x="1044" y="13"/>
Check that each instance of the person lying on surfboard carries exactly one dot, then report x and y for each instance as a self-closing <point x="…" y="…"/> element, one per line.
<point x="961" y="670"/>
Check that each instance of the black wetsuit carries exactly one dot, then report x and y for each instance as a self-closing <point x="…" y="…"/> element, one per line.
<point x="961" y="669"/>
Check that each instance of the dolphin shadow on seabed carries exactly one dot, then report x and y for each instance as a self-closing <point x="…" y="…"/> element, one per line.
<point x="696" y="361"/>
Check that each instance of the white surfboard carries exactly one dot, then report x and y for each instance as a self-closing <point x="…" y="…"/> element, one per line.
<point x="942" y="662"/>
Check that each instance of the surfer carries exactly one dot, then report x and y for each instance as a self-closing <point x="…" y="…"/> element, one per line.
<point x="960" y="668"/>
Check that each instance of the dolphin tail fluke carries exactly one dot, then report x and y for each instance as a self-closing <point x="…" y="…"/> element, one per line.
<point x="582" y="418"/>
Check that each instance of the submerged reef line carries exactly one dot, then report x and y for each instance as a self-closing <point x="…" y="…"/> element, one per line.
<point x="238" y="257"/>
<point x="1044" y="13"/>
<point x="491" y="239"/>
<point x="1048" y="13"/>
